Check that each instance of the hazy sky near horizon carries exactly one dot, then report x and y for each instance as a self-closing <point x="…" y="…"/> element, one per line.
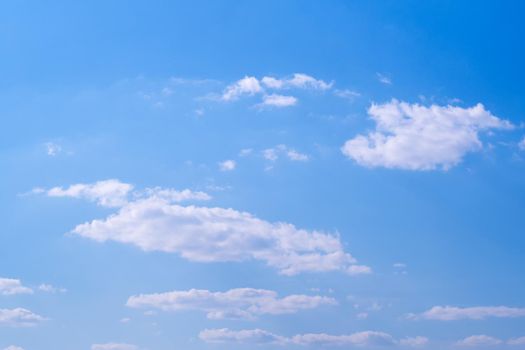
<point x="262" y="175"/>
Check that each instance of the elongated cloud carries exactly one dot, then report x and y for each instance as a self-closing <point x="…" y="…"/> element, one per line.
<point x="19" y="317"/>
<point x="107" y="193"/>
<point x="479" y="341"/>
<point x="113" y="346"/>
<point x="236" y="303"/>
<point x="10" y="286"/>
<point x="213" y="234"/>
<point x="452" y="313"/>
<point x="259" y="336"/>
<point x="415" y="137"/>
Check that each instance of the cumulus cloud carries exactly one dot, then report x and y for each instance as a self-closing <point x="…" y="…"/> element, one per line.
<point x="10" y="286"/>
<point x="213" y="234"/>
<point x="113" y="346"/>
<point x="272" y="154"/>
<point x="259" y="336"/>
<point x="19" y="317"/>
<point x="13" y="347"/>
<point x="416" y="137"/>
<point x="244" y="303"/>
<point x="452" y="313"/>
<point x="478" y="341"/>
<point x="48" y="288"/>
<point x="227" y="165"/>
<point x="107" y="193"/>
<point x="298" y="80"/>
<point x="245" y="86"/>
<point x="276" y="100"/>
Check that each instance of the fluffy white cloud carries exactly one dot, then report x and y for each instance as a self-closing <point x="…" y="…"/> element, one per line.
<point x="113" y="346"/>
<point x="212" y="234"/>
<point x="259" y="336"/>
<point x="414" y="341"/>
<point x="479" y="340"/>
<point x="452" y="313"/>
<point x="298" y="80"/>
<point x="276" y="100"/>
<point x="19" y="318"/>
<point x="10" y="286"/>
<point x="235" y="303"/>
<point x="415" y="137"/>
<point x="227" y="165"/>
<point x="13" y="347"/>
<point x="244" y="86"/>
<point x="516" y="341"/>
<point x="107" y="193"/>
<point x="48" y="288"/>
<point x="272" y="154"/>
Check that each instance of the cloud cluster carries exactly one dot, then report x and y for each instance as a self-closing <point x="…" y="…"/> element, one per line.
<point x="259" y="336"/>
<point x="273" y="154"/>
<point x="19" y="317"/>
<point x="416" y="137"/>
<point x="153" y="222"/>
<point x="240" y="303"/>
<point x="452" y="313"/>
<point x="10" y="286"/>
<point x="249" y="86"/>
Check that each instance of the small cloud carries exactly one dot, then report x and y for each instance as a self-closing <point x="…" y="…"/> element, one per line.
<point x="521" y="144"/>
<point x="384" y="79"/>
<point x="414" y="341"/>
<point x="52" y="149"/>
<point x="347" y="94"/>
<point x="275" y="100"/>
<point x="479" y="341"/>
<point x="227" y="165"/>
<point x="11" y="286"/>
<point x="245" y="86"/>
<point x="51" y="289"/>
<point x="362" y="315"/>
<point x="272" y="154"/>
<point x="113" y="346"/>
<point x="125" y="320"/>
<point x="245" y="152"/>
<point x="359" y="270"/>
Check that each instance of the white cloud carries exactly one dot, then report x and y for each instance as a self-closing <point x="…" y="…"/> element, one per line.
<point x="521" y="144"/>
<point x="384" y="79"/>
<point x="244" y="303"/>
<point x="276" y="100"/>
<point x="48" y="288"/>
<point x="415" y="137"/>
<point x="272" y="154"/>
<point x="107" y="193"/>
<point x="452" y="313"/>
<point x="227" y="165"/>
<point x="10" y="286"/>
<point x="213" y="234"/>
<point x="259" y="336"/>
<point x="414" y="341"/>
<point x="516" y="341"/>
<point x="13" y="347"/>
<point x="479" y="340"/>
<point x="19" y="317"/>
<point x="298" y="80"/>
<point x="347" y="94"/>
<point x="52" y="149"/>
<point x="113" y="346"/>
<point x="172" y="195"/>
<point x="245" y="86"/>
<point x="359" y="270"/>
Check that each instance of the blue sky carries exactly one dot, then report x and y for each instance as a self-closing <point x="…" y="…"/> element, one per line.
<point x="274" y="175"/>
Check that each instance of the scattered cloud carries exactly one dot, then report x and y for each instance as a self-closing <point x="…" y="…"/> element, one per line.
<point x="355" y="270"/>
<point x="276" y="100"/>
<point x="245" y="152"/>
<point x="298" y="80"/>
<point x="48" y="288"/>
<point x="347" y="94"/>
<point x="113" y="346"/>
<point x="452" y="313"/>
<point x="516" y="341"/>
<point x="414" y="341"/>
<point x="384" y="79"/>
<point x="52" y="148"/>
<point x="245" y="86"/>
<point x="479" y="340"/>
<point x="272" y="154"/>
<point x="10" y="286"/>
<point x="415" y="137"/>
<point x="241" y="303"/>
<point x="213" y="234"/>
<point x="13" y="347"/>
<point x="227" y="165"/>
<point x="19" y="317"/>
<point x="259" y="336"/>
<point x="521" y="144"/>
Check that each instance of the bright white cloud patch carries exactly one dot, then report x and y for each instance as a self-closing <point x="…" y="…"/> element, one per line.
<point x="415" y="137"/>
<point x="213" y="234"/>
<point x="298" y="80"/>
<point x="10" y="286"/>
<point x="452" y="313"/>
<point x="245" y="86"/>
<point x="107" y="193"/>
<point x="13" y="347"/>
<point x="259" y="336"/>
<point x="243" y="303"/>
<point x="276" y="100"/>
<point x="479" y="341"/>
<point x="19" y="317"/>
<point x="227" y="165"/>
<point x="113" y="346"/>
